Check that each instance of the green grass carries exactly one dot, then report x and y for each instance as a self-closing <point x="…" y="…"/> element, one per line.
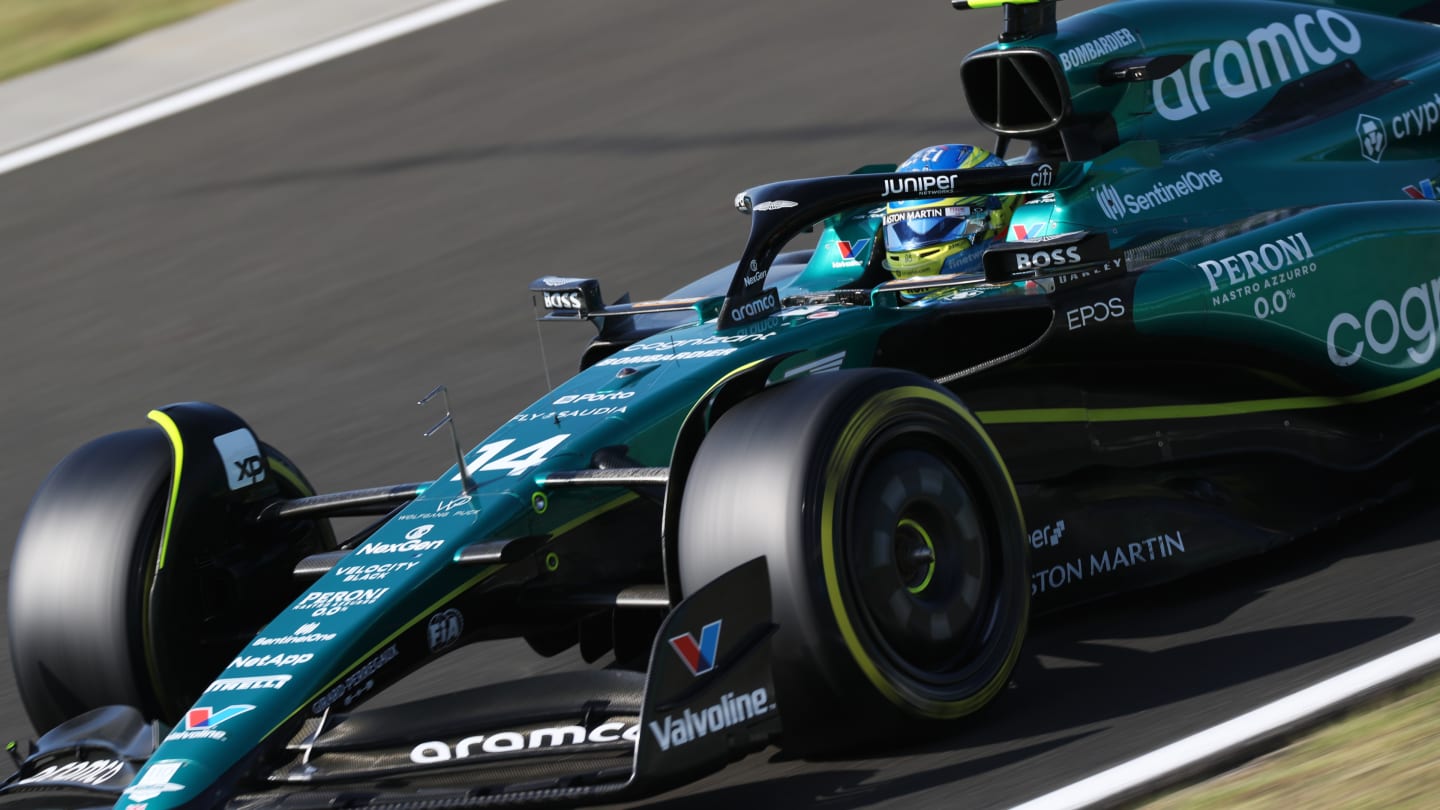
<point x="1387" y="756"/>
<point x="36" y="33"/>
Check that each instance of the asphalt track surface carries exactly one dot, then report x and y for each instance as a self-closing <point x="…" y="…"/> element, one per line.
<point x="318" y="252"/>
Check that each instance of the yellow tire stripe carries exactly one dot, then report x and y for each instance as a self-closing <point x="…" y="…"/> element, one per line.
<point x="178" y="444"/>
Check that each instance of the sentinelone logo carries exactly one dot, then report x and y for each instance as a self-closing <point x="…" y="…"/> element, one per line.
<point x="1116" y="206"/>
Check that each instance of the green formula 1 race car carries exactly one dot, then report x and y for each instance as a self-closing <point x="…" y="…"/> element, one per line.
<point x="799" y="501"/>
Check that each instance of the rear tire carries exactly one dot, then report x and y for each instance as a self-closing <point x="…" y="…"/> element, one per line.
<point x="82" y="580"/>
<point x="897" y="556"/>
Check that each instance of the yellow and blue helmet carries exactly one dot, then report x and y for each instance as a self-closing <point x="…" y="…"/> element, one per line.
<point x="943" y="236"/>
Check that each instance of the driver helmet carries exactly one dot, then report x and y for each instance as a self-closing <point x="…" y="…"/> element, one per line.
<point x="946" y="235"/>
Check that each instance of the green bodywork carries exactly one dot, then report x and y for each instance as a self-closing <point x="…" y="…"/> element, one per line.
<point x="1289" y="232"/>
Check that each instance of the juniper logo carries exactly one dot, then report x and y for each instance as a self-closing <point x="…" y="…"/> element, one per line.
<point x="1110" y="203"/>
<point x="1371" y="132"/>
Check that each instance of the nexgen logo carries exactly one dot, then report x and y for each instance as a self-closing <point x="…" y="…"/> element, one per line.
<point x="699" y="656"/>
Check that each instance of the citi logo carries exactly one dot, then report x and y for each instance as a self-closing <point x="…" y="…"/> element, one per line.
<point x="1110" y="202"/>
<point x="699" y="656"/>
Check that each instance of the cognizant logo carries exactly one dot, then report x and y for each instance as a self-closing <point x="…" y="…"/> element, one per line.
<point x="1379" y="330"/>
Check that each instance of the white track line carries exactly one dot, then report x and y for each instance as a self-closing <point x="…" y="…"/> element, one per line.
<point x="1187" y="754"/>
<point x="243" y="79"/>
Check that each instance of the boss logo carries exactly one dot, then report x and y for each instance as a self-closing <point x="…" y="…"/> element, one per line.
<point x="1097" y="312"/>
<point x="562" y="300"/>
<point x="1041" y="259"/>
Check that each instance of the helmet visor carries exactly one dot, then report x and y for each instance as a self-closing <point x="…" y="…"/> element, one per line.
<point x="913" y="228"/>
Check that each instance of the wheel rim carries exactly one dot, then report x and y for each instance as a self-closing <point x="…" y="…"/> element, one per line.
<point x="919" y="565"/>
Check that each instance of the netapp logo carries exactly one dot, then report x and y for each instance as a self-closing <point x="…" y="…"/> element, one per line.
<point x="1040" y="259"/>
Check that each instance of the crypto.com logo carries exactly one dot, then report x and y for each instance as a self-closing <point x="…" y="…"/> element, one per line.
<point x="699" y="656"/>
<point x="1110" y="202"/>
<point x="1371" y="132"/>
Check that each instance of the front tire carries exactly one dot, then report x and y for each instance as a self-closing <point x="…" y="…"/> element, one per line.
<point x="895" y="543"/>
<point x="83" y="587"/>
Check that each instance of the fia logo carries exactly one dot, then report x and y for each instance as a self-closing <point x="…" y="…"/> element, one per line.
<point x="444" y="629"/>
<point x="1371" y="132"/>
<point x="699" y="656"/>
<point x="1110" y="203"/>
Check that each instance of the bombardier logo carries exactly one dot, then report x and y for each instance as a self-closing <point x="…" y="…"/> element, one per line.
<point x="562" y="300"/>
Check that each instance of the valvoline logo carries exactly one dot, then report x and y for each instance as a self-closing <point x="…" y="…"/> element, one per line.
<point x="699" y="656"/>
<point x="1424" y="190"/>
<point x="852" y="250"/>
<point x="206" y="717"/>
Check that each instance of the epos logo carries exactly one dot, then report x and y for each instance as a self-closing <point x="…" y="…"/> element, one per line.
<point x="699" y="656"/>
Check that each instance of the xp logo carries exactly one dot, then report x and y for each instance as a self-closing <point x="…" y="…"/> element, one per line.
<point x="1110" y="202"/>
<point x="699" y="656"/>
<point x="206" y="717"/>
<point x="1424" y="190"/>
<point x="240" y="454"/>
<point x="419" y="531"/>
<point x="852" y="250"/>
<point x="1042" y="177"/>
<point x="1371" y="132"/>
<point x="250" y="468"/>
